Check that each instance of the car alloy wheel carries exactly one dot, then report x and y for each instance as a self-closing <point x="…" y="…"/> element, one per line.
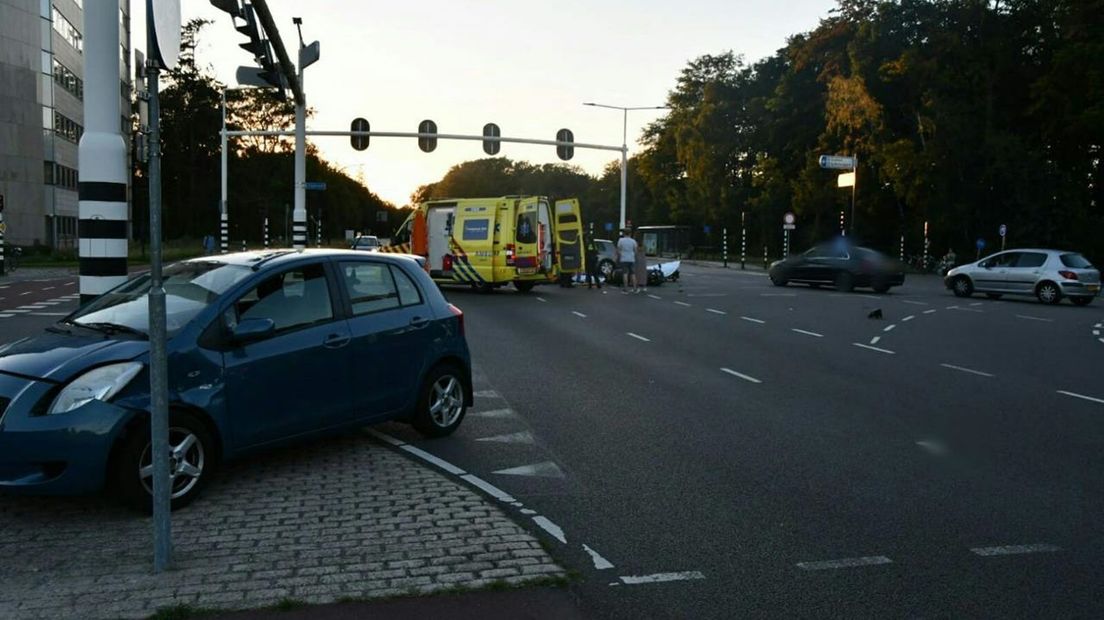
<point x="187" y="459"/>
<point x="1048" y="293"/>
<point x="192" y="461"/>
<point x="441" y="405"/>
<point x="448" y="401"/>
<point x="606" y="268"/>
<point x="962" y="287"/>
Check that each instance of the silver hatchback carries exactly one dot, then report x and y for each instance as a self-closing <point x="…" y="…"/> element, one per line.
<point x="1049" y="275"/>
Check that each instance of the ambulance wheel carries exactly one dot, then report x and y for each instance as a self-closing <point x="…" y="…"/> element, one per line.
<point x="524" y="286"/>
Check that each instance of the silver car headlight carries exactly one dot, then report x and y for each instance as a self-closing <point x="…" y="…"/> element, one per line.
<point x="100" y="383"/>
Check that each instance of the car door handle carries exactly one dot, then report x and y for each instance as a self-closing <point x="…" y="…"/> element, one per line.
<point x="335" y="341"/>
<point x="418" y="322"/>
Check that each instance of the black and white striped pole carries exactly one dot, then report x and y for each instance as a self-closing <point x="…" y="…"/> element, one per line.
<point x="902" y="248"/>
<point x="224" y="219"/>
<point x="743" y="239"/>
<point x="3" y="231"/>
<point x="319" y="231"/>
<point x="266" y="232"/>
<point x="724" y="246"/>
<point x="102" y="155"/>
<point x="765" y="263"/>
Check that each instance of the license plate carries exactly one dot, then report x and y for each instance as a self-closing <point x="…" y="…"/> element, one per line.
<point x="527" y="271"/>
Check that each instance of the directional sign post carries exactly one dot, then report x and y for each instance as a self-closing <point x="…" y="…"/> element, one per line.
<point x="837" y="162"/>
<point x="315" y="186"/>
<point x="1003" y="233"/>
<point x="788" y="224"/>
<point x="842" y="162"/>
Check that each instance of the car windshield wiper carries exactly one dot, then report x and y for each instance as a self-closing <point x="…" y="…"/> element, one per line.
<point x="112" y="328"/>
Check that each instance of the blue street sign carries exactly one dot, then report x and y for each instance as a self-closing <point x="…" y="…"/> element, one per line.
<point x="705" y="229"/>
<point x="981" y="244"/>
<point x="314" y="186"/>
<point x="1003" y="230"/>
<point x="609" y="226"/>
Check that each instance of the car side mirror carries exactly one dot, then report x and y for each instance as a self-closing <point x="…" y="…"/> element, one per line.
<point x="252" y="330"/>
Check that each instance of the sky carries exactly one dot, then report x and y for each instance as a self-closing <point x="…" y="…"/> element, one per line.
<point x="526" y="66"/>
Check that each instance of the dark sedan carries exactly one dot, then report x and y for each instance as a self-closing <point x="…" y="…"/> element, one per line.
<point x="841" y="265"/>
<point x="264" y="348"/>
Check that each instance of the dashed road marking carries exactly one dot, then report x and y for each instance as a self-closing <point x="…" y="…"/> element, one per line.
<point x="741" y="375"/>
<point x="50" y="313"/>
<point x="915" y="303"/>
<point x="965" y="309"/>
<point x="967" y="370"/>
<point x="682" y="303"/>
<point x="654" y="296"/>
<point x="806" y="332"/>
<point x="487" y="394"/>
<point x="1082" y="396"/>
<point x="48" y="288"/>
<point x="1033" y="318"/>
<point x="932" y="311"/>
<point x="872" y="560"/>
<point x="637" y="336"/>
<point x="714" y="311"/>
<point x="546" y="469"/>
<point x="935" y="448"/>
<point x="631" y="580"/>
<point x="542" y="299"/>
<point x="908" y="318"/>
<point x="890" y="328"/>
<point x="875" y="339"/>
<point x="778" y="294"/>
<point x="977" y="303"/>
<point x="600" y="563"/>
<point x="578" y="314"/>
<point x="866" y="346"/>
<point x="1015" y="549"/>
<point x="523" y="437"/>
<point x="550" y="527"/>
<point x="751" y="320"/>
<point x="6" y="316"/>
<point x="27" y="293"/>
<point x="494" y="413"/>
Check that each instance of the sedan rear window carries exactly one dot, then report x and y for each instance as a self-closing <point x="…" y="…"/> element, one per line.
<point x="1076" y="261"/>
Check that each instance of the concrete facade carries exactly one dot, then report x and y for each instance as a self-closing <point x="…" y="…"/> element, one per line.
<point x="42" y="115"/>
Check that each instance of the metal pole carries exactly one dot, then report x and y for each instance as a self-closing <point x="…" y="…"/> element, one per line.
<point x="765" y="261"/>
<point x="319" y="231"/>
<point x="159" y="376"/>
<point x="902" y="248"/>
<point x="266" y="232"/>
<point x="224" y="218"/>
<point x="843" y="230"/>
<point x="624" y="161"/>
<point x="3" y="265"/>
<point x="299" y="216"/>
<point x="924" y="260"/>
<point x="724" y="244"/>
<point x="854" y="184"/>
<point x="743" y="239"/>
<point x="785" y="244"/>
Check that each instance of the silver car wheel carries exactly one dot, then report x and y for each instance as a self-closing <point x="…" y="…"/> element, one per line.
<point x="448" y="401"/>
<point x="1048" y="293"/>
<point x="186" y="462"/>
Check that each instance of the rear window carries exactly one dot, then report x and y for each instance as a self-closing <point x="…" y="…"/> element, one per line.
<point x="1075" y="261"/>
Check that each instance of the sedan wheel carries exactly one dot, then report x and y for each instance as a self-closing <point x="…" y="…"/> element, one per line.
<point x="1048" y="293"/>
<point x="963" y="287"/>
<point x="191" y="462"/>
<point x="606" y="268"/>
<point x="441" y="405"/>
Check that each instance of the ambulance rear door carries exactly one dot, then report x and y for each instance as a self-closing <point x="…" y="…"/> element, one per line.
<point x="439" y="222"/>
<point x="527" y="238"/>
<point x="569" y="236"/>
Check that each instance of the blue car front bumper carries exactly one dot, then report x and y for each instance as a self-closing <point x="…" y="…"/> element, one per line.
<point x="54" y="454"/>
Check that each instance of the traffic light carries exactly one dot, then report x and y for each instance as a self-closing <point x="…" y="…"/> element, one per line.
<point x="245" y="22"/>
<point x="427" y="144"/>
<point x="565" y="152"/>
<point x="491" y="147"/>
<point x="359" y="142"/>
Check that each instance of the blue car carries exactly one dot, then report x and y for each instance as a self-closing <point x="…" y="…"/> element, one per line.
<point x="265" y="348"/>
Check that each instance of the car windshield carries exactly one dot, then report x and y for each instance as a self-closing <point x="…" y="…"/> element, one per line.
<point x="189" y="288"/>
<point x="1076" y="261"/>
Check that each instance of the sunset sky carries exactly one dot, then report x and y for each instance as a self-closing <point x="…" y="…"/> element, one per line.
<point x="524" y="65"/>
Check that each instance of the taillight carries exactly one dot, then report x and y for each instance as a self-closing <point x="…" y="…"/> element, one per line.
<point x="459" y="314"/>
<point x="509" y="255"/>
<point x="1069" y="275"/>
<point x="446" y="262"/>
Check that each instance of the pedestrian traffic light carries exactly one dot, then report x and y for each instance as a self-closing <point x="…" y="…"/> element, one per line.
<point x="565" y="151"/>
<point x="427" y="144"/>
<point x="491" y="147"/>
<point x="359" y="142"/>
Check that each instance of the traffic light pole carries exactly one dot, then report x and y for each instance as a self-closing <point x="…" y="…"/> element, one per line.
<point x="299" y="215"/>
<point x="224" y="218"/>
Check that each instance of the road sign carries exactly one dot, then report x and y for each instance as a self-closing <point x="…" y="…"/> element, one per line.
<point x="837" y="162"/>
<point x="427" y="144"/>
<point x="706" y="229"/>
<point x="165" y="46"/>
<point x="788" y="218"/>
<point x="981" y="244"/>
<point x="1003" y="230"/>
<point x="609" y="227"/>
<point x="491" y="147"/>
<point x="846" y="179"/>
<point x="359" y="142"/>
<point x="3" y="227"/>
<point x="563" y="151"/>
<point x="314" y="186"/>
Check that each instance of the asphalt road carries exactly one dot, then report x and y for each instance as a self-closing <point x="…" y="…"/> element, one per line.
<point x="725" y="448"/>
<point x="729" y="448"/>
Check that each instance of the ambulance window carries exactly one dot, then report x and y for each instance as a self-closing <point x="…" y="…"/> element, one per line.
<point x="476" y="230"/>
<point x="527" y="227"/>
<point x="371" y="287"/>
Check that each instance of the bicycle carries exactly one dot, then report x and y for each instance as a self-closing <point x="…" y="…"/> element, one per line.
<point x="12" y="258"/>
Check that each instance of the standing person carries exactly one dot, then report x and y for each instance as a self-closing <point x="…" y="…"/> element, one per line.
<point x="626" y="260"/>
<point x="641" y="271"/>
<point x="208" y="244"/>
<point x="592" y="270"/>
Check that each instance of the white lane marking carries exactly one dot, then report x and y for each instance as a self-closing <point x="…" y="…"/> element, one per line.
<point x="908" y="318"/>
<point x="654" y="296"/>
<point x="542" y="299"/>
<point x="34" y="307"/>
<point x="491" y="489"/>
<point x="6" y="316"/>
<point x="1082" y="396"/>
<point x="682" y="303"/>
<point x="50" y="313"/>
<point x="1100" y="339"/>
<point x="1015" y="549"/>
<point x="27" y="293"/>
<point x="637" y="336"/>
<point x="528" y="511"/>
<point x="631" y="580"/>
<point x="550" y="527"/>
<point x="875" y="339"/>
<point x="807" y="333"/>
<point x="600" y="563"/>
<point x="932" y="311"/>
<point x="865" y="346"/>
<point x="977" y="303"/>
<point x="936" y="448"/>
<point x="872" y="560"/>
<point x="965" y="309"/>
<point x="429" y="458"/>
<point x="741" y="375"/>
<point x="547" y="469"/>
<point x="47" y="288"/>
<point x="50" y="303"/>
<point x="1096" y="332"/>
<point x="385" y="437"/>
<point x="522" y="437"/>
<point x="967" y="370"/>
<point x="751" y="320"/>
<point x="486" y="394"/>
<point x="778" y="294"/>
<point x="715" y="311"/>
<point x="494" y="413"/>
<point x="1033" y="318"/>
<point x="915" y="303"/>
<point x="70" y="284"/>
<point x="890" y="328"/>
<point x="707" y="294"/>
<point x="18" y="311"/>
<point x="578" y="314"/>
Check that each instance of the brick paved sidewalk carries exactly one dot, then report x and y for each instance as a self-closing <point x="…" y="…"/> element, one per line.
<point x="340" y="518"/>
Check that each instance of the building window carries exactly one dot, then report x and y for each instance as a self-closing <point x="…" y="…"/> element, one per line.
<point x="63" y="27"/>
<point x="68" y="80"/>
<point x="60" y="176"/>
<point x="67" y="128"/>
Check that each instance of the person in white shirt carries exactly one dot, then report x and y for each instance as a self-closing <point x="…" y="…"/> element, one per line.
<point x="626" y="260"/>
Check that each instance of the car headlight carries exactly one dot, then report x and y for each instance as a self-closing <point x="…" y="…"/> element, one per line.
<point x="97" y="384"/>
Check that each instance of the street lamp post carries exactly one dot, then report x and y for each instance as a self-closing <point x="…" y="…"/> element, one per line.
<point x="624" y="144"/>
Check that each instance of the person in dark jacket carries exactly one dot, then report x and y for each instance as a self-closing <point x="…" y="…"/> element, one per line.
<point x="592" y="270"/>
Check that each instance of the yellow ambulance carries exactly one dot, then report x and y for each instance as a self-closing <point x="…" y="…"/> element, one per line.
<point x="491" y="242"/>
